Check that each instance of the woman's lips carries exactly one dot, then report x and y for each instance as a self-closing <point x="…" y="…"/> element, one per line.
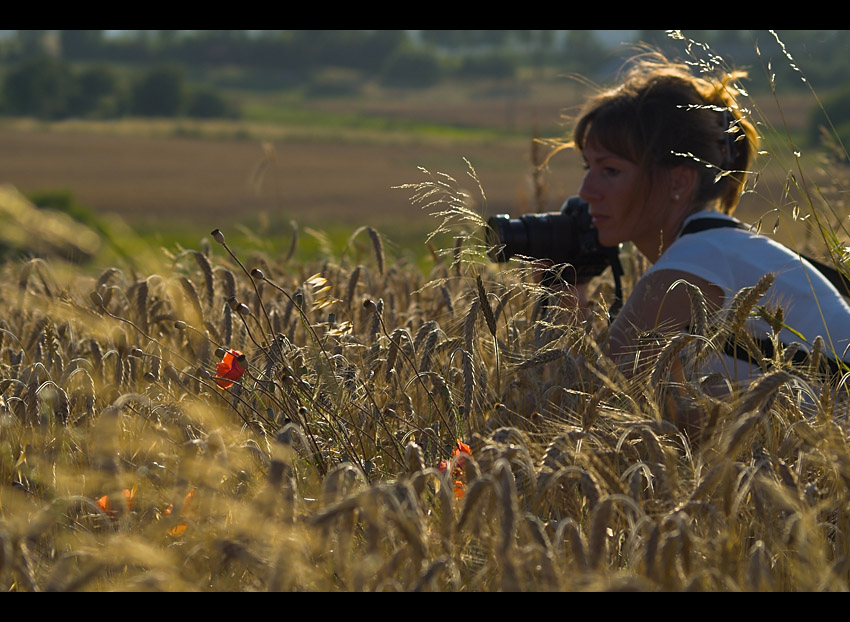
<point x="598" y="219"/>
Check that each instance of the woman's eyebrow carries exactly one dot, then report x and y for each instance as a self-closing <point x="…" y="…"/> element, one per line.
<point x="603" y="157"/>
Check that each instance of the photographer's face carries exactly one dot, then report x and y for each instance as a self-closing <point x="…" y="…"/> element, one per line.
<point x="609" y="187"/>
<point x="620" y="207"/>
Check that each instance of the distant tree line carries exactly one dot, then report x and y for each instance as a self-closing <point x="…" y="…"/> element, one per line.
<point x="48" y="88"/>
<point x="296" y="57"/>
<point x="299" y="51"/>
<point x="823" y="54"/>
<point x="85" y="73"/>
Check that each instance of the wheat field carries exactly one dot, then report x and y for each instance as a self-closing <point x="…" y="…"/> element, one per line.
<point x="223" y="421"/>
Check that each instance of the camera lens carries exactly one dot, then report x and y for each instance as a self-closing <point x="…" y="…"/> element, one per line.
<point x="564" y="238"/>
<point x="506" y="237"/>
<point x="542" y="236"/>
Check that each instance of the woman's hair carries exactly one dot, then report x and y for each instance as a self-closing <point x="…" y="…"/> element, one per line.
<point x="661" y="116"/>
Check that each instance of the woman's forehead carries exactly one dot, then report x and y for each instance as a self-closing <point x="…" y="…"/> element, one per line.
<point x="594" y="150"/>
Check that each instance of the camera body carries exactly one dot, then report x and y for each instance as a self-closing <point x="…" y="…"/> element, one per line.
<point x="567" y="238"/>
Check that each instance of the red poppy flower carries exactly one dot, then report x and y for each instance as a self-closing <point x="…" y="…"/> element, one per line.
<point x="112" y="510"/>
<point x="458" y="452"/>
<point x="231" y="368"/>
<point x="461" y="448"/>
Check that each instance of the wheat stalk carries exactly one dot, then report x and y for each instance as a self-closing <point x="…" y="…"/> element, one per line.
<point x="485" y="306"/>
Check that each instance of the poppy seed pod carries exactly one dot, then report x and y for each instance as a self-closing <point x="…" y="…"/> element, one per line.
<point x="258" y="274"/>
<point x="218" y="236"/>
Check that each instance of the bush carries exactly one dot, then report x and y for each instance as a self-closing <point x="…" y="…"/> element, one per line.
<point x="41" y="87"/>
<point x="339" y="83"/>
<point x="49" y="89"/>
<point x="488" y="66"/>
<point x="159" y="93"/>
<point x="412" y="69"/>
<point x="205" y="103"/>
<point x="99" y="94"/>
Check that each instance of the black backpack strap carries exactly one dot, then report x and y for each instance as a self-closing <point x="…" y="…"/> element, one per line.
<point x="801" y="357"/>
<point x="834" y="276"/>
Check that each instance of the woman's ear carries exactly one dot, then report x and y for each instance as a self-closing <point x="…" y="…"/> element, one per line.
<point x="683" y="181"/>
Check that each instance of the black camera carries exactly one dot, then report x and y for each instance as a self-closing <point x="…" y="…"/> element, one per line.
<point x="567" y="238"/>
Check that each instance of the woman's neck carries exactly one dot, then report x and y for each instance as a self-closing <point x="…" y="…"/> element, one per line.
<point x="653" y="247"/>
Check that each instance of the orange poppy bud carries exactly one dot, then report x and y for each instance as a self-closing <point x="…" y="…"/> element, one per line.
<point x="230" y="368"/>
<point x="180" y="528"/>
<point x="459" y="490"/>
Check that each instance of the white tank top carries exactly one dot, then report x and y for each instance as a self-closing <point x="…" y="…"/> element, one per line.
<point x="736" y="258"/>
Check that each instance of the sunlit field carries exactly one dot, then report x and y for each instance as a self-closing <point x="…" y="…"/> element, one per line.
<point x="381" y="414"/>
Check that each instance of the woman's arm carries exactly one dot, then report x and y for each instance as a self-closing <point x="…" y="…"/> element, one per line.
<point x="656" y="308"/>
<point x="653" y="307"/>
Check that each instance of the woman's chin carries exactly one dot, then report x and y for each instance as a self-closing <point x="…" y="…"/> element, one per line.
<point x="608" y="239"/>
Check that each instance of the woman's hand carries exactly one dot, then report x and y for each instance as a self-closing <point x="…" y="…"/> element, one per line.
<point x="571" y="298"/>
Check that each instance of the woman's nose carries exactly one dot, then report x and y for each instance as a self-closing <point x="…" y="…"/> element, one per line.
<point x="587" y="189"/>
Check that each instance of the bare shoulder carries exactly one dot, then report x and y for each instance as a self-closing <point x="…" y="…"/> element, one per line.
<point x="660" y="302"/>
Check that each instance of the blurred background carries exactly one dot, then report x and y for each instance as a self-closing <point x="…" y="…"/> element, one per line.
<point x="168" y="134"/>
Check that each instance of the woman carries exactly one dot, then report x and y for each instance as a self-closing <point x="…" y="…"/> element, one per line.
<point x="666" y="148"/>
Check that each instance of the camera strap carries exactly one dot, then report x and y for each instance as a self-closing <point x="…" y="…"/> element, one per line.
<point x="617" y="271"/>
<point x="834" y="276"/>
